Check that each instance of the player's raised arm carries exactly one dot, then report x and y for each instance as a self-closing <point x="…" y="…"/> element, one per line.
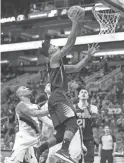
<point x="72" y="37"/>
<point x="69" y="45"/>
<point x="76" y="68"/>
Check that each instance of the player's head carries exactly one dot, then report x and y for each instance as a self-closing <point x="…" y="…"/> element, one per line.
<point x="48" y="49"/>
<point x="52" y="49"/>
<point x="48" y="88"/>
<point x="23" y="91"/>
<point x="82" y="93"/>
<point x="106" y="129"/>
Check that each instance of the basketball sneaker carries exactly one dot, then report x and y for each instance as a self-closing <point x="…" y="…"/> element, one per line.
<point x="64" y="155"/>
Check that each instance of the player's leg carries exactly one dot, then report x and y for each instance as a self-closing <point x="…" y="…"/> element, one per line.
<point x="89" y="157"/>
<point x="51" y="156"/>
<point x="83" y="147"/>
<point x="81" y="159"/>
<point x="65" y="133"/>
<point x="75" y="148"/>
<point x="55" y="139"/>
<point x="62" y="114"/>
<point x="70" y="130"/>
<point x="19" y="158"/>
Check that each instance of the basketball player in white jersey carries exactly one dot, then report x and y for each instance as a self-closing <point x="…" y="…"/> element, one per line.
<point x="28" y="137"/>
<point x="86" y="115"/>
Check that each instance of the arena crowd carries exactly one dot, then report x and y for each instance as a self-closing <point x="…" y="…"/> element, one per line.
<point x="110" y="104"/>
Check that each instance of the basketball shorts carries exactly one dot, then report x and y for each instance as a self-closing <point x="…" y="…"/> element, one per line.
<point x="89" y="157"/>
<point x="60" y="107"/>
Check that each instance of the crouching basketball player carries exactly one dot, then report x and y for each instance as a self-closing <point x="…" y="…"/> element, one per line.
<point x="28" y="137"/>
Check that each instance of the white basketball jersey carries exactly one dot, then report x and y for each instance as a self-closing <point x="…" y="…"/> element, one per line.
<point x="23" y="126"/>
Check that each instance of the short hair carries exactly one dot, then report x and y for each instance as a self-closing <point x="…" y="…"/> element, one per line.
<point x="80" y="88"/>
<point x="18" y="93"/>
<point x="106" y="126"/>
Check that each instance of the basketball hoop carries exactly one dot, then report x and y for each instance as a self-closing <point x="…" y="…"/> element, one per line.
<point x="107" y="19"/>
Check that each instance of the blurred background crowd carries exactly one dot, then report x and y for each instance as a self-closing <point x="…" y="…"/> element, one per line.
<point x="27" y="21"/>
<point x="109" y="100"/>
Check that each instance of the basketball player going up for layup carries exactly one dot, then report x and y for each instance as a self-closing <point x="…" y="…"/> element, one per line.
<point x="59" y="106"/>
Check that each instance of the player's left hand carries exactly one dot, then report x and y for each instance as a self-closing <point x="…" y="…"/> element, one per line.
<point x="92" y="49"/>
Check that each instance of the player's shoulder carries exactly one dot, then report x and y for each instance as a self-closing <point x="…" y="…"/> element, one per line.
<point x="93" y="109"/>
<point x="19" y="106"/>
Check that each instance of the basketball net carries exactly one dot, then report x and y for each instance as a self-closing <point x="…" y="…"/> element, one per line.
<point x="107" y="19"/>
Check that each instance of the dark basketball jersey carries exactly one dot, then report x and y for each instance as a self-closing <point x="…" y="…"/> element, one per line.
<point x="58" y="78"/>
<point x="85" y="123"/>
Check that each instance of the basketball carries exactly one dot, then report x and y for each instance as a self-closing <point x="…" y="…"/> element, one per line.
<point x="76" y="12"/>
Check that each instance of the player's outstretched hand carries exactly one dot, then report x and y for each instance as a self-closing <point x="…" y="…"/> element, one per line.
<point x="79" y="16"/>
<point x="92" y="49"/>
<point x="76" y="13"/>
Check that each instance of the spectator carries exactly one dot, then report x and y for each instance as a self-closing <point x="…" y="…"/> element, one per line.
<point x="120" y="121"/>
<point x="33" y="8"/>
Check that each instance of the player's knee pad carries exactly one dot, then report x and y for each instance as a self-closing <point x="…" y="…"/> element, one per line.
<point x="71" y="125"/>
